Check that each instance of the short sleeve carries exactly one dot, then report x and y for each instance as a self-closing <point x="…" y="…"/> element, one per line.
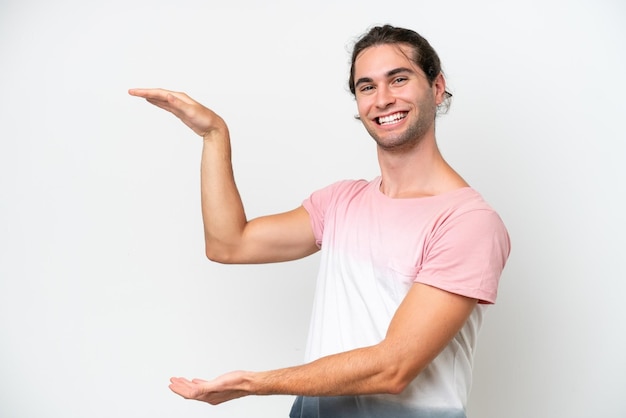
<point x="466" y="255"/>
<point x="322" y="202"/>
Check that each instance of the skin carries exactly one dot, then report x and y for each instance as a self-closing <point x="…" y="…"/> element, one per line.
<point x="403" y="90"/>
<point x="388" y="83"/>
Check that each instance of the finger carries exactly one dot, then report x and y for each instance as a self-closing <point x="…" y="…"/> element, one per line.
<point x="179" y="380"/>
<point x="157" y="97"/>
<point x="181" y="386"/>
<point x="173" y="103"/>
<point x="161" y="95"/>
<point x="162" y="103"/>
<point x="181" y="391"/>
<point x="166" y="100"/>
<point x="146" y="93"/>
<point x="187" y="389"/>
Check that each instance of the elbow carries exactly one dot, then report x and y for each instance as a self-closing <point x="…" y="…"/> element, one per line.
<point x="212" y="256"/>
<point x="219" y="254"/>
<point x="397" y="366"/>
<point x="398" y="379"/>
<point x="397" y="385"/>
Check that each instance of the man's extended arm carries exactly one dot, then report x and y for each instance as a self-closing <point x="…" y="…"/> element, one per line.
<point x="425" y="322"/>
<point x="229" y="236"/>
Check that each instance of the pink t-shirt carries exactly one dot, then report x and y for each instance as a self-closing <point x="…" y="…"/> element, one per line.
<point x="373" y="248"/>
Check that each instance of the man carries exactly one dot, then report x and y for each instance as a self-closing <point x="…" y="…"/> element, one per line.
<point x="410" y="260"/>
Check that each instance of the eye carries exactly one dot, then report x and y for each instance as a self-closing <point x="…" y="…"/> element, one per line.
<point x="399" y="80"/>
<point x="366" y="88"/>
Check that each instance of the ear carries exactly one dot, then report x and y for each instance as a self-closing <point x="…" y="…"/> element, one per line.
<point x="439" y="88"/>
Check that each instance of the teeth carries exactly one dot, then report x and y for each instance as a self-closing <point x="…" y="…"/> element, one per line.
<point x="383" y="120"/>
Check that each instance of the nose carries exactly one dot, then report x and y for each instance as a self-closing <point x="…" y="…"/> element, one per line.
<point x="384" y="97"/>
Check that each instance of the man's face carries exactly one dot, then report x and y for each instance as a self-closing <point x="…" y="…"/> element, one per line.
<point x="396" y="103"/>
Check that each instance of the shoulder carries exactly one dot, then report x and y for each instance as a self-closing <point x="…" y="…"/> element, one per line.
<point x="322" y="203"/>
<point x="341" y="190"/>
<point x="349" y="186"/>
<point x="464" y="202"/>
<point x="466" y="220"/>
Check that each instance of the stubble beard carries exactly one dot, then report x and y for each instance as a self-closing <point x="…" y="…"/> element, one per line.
<point x="414" y="133"/>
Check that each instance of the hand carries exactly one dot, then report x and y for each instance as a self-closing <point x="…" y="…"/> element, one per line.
<point x="199" y="118"/>
<point x="224" y="388"/>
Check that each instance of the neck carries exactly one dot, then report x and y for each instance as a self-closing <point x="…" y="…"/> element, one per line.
<point x="418" y="172"/>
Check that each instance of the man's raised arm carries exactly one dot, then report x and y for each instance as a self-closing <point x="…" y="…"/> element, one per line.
<point x="229" y="236"/>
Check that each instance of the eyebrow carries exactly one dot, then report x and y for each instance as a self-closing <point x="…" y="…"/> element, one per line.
<point x="389" y="74"/>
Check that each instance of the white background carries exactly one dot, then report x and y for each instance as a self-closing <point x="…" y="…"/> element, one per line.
<point x="104" y="289"/>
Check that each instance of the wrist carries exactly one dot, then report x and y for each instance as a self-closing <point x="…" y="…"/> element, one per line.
<point x="260" y="383"/>
<point x="218" y="130"/>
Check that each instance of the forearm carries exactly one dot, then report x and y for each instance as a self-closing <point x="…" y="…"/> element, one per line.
<point x="412" y="342"/>
<point x="222" y="209"/>
<point x="357" y="372"/>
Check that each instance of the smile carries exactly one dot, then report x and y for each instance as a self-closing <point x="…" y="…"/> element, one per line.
<point x="390" y="119"/>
